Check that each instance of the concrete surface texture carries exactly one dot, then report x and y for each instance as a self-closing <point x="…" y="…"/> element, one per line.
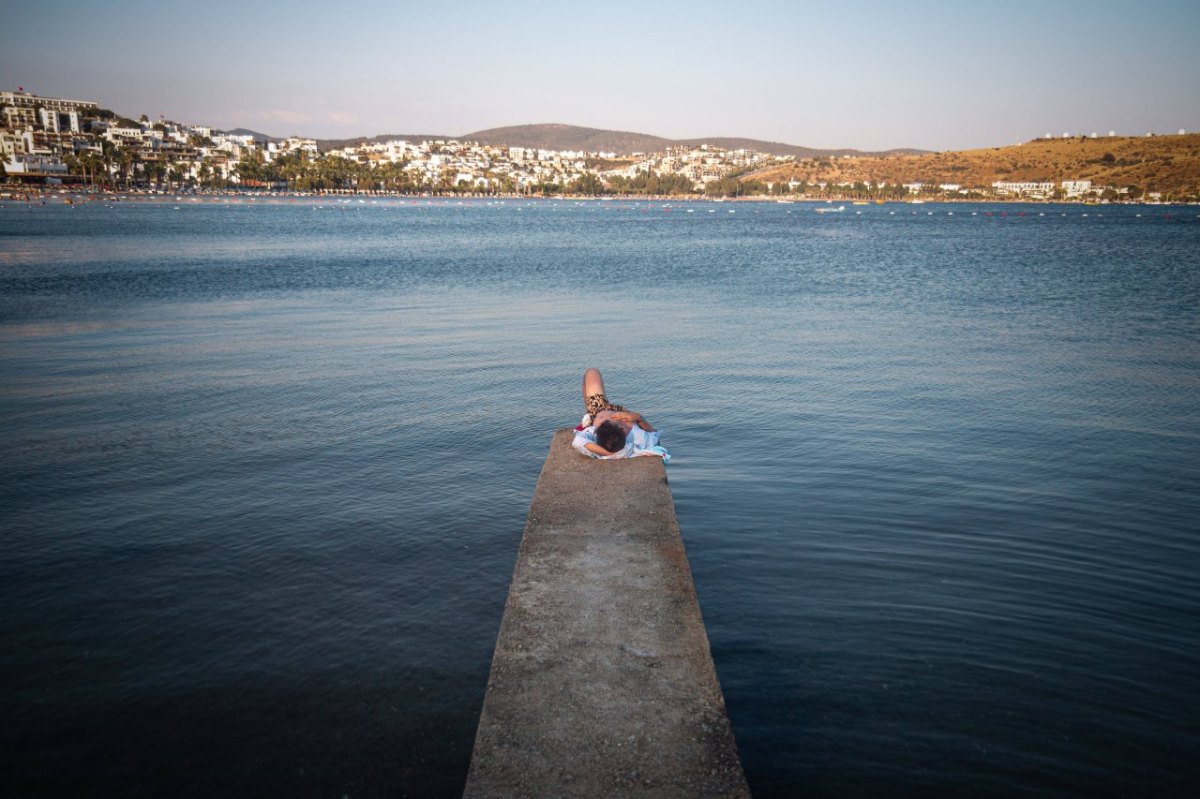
<point x="602" y="683"/>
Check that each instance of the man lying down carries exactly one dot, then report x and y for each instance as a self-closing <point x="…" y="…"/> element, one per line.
<point x="609" y="431"/>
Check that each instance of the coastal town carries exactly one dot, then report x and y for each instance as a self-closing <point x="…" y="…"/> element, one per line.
<point x="60" y="141"/>
<point x="47" y="142"/>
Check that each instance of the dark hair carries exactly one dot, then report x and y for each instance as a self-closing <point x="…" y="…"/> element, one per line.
<point x="611" y="436"/>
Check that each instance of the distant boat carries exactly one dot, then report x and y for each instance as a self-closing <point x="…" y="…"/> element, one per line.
<point x="861" y="202"/>
<point x="830" y="210"/>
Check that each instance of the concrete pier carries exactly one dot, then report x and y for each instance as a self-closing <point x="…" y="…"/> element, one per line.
<point x="602" y="683"/>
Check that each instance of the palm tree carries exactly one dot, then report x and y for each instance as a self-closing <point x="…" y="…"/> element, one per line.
<point x="96" y="162"/>
<point x="125" y="161"/>
<point x="155" y="171"/>
<point x="73" y="164"/>
<point x="250" y="166"/>
<point x="108" y="154"/>
<point x="178" y="172"/>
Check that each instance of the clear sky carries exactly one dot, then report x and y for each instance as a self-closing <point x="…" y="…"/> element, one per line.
<point x="870" y="75"/>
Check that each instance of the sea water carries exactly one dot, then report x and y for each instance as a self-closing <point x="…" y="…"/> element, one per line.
<point x="267" y="463"/>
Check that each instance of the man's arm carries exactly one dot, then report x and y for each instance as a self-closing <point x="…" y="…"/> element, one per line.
<point x="633" y="417"/>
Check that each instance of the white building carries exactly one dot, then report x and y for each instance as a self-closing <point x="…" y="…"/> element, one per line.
<point x="1076" y="188"/>
<point x="58" y="121"/>
<point x="292" y="144"/>
<point x="35" y="165"/>
<point x="124" y="136"/>
<point x="27" y="100"/>
<point x="16" y="142"/>
<point x="17" y="117"/>
<point x="1027" y="189"/>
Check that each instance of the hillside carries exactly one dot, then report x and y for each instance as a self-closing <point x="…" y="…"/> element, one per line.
<point x="544" y="137"/>
<point x="572" y="137"/>
<point x="325" y="145"/>
<point x="777" y="148"/>
<point x="261" y="138"/>
<point x="1169" y="164"/>
<point x="569" y="137"/>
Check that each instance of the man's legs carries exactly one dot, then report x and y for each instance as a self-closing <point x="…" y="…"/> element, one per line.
<point x="593" y="383"/>
<point x="594" y="398"/>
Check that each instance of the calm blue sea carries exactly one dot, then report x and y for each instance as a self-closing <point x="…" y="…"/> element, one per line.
<point x="266" y="468"/>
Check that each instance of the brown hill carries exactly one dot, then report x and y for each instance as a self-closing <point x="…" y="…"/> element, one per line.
<point x="778" y="148"/>
<point x="571" y="137"/>
<point x="261" y="138"/>
<point x="325" y="145"/>
<point x="545" y="137"/>
<point x="1168" y="164"/>
<point x="593" y="140"/>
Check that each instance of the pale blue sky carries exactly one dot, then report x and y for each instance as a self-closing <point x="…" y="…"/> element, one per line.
<point x="871" y="75"/>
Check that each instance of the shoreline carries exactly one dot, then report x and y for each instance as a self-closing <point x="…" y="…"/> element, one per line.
<point x="72" y="196"/>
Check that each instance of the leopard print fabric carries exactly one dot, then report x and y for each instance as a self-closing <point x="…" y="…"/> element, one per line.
<point x="598" y="402"/>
